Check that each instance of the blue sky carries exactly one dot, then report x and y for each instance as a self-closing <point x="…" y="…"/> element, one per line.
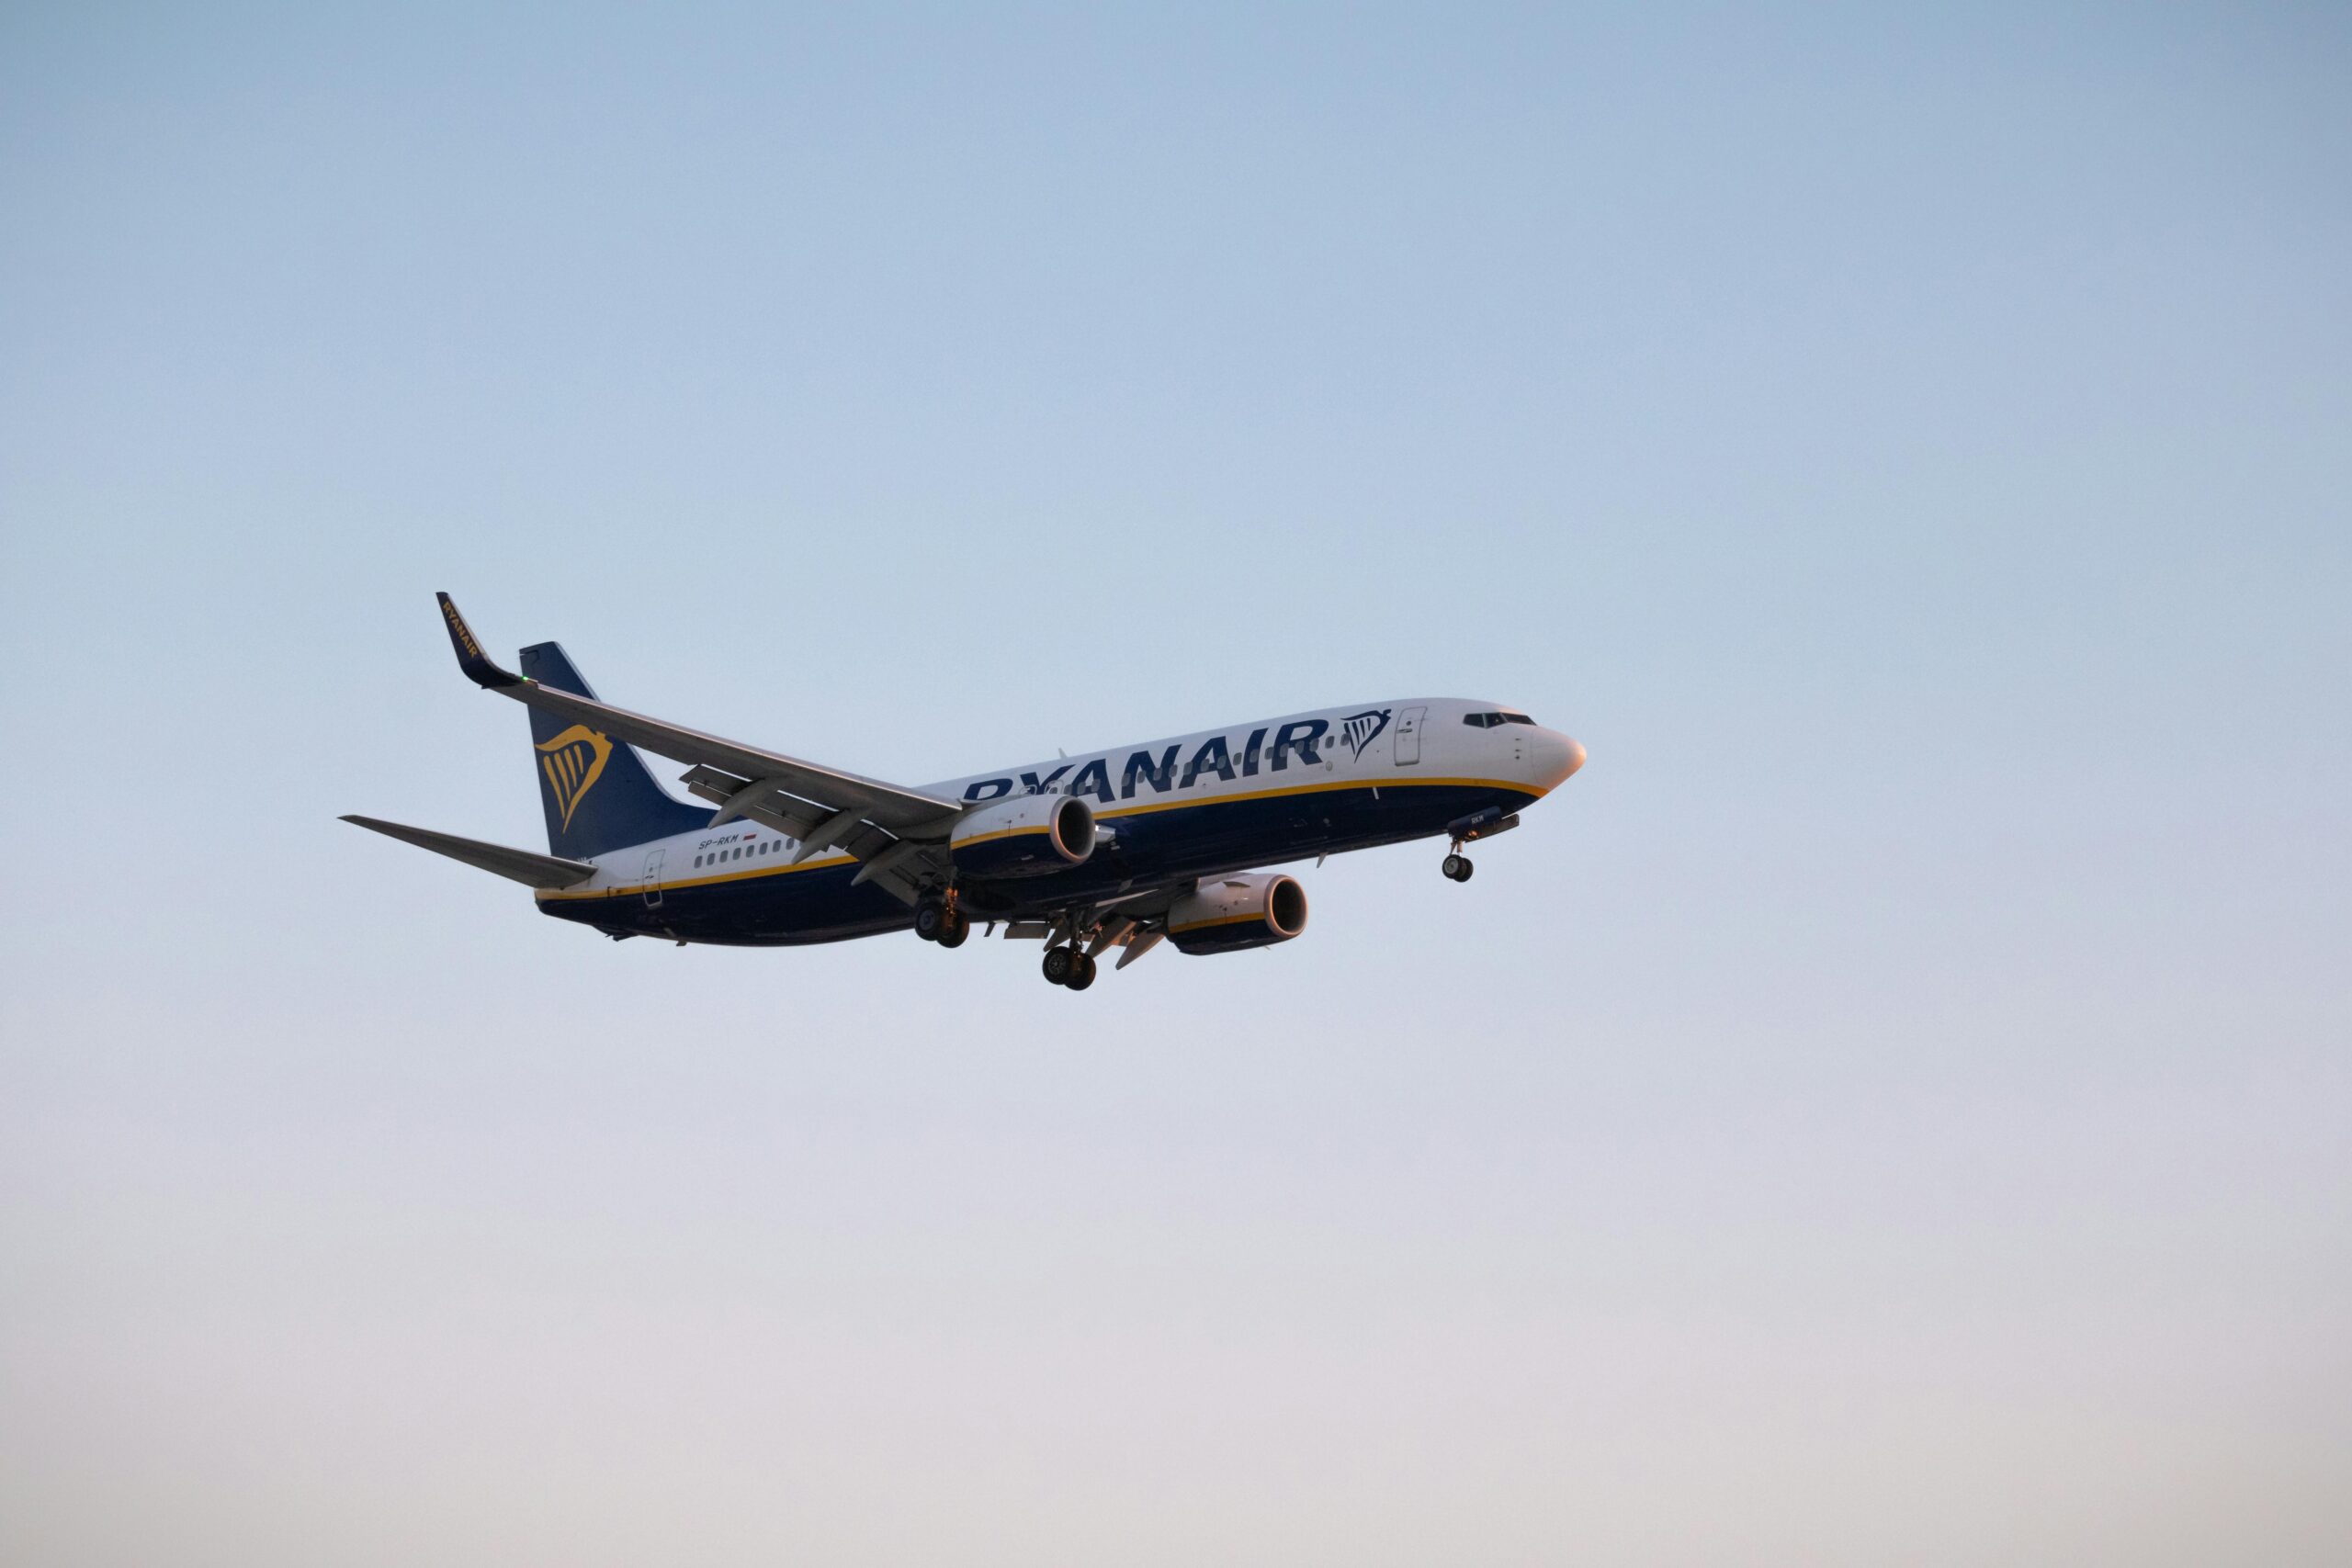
<point x="1889" y="1105"/>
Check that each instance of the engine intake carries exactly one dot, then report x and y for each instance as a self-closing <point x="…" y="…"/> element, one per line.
<point x="1028" y="835"/>
<point x="1227" y="914"/>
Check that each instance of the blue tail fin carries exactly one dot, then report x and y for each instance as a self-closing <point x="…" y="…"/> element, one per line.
<point x="597" y="793"/>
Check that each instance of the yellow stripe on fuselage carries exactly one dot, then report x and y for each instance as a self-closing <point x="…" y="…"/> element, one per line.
<point x="1141" y="807"/>
<point x="1324" y="786"/>
<point x="1257" y="915"/>
<point x="1000" y="833"/>
<point x="619" y="890"/>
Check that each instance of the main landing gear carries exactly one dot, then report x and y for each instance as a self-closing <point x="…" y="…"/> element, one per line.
<point x="936" y="920"/>
<point x="1457" y="866"/>
<point x="1068" y="966"/>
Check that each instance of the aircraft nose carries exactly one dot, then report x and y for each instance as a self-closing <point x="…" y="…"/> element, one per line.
<point x="1556" y="758"/>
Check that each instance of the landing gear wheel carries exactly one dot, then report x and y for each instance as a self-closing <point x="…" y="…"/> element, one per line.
<point x="959" y="927"/>
<point x="1062" y="963"/>
<point x="933" y="920"/>
<point x="1458" y="867"/>
<point x="1082" y="973"/>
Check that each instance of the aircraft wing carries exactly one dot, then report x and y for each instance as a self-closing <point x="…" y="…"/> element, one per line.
<point x="821" y="807"/>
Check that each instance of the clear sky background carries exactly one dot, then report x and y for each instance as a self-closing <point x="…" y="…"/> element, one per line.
<point x="1890" y="1107"/>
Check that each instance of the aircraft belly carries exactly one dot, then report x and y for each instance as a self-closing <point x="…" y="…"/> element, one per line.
<point x="1216" y="836"/>
<point x="790" y="908"/>
<point x="774" y="909"/>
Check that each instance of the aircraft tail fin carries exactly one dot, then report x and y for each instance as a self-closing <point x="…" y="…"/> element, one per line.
<point x="597" y="793"/>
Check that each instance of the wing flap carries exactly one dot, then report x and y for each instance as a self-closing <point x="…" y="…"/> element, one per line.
<point x="757" y="799"/>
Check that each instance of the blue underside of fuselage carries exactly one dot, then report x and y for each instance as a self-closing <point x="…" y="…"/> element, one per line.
<point x="781" y="907"/>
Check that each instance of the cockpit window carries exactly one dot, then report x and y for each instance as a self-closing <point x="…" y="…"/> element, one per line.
<point x="1516" y="718"/>
<point x="1488" y="720"/>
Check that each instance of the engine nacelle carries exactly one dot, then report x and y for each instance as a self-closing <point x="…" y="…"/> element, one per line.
<point x="1229" y="913"/>
<point x="1027" y="835"/>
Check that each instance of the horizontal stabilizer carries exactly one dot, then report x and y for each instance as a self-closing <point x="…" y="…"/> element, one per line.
<point x="518" y="865"/>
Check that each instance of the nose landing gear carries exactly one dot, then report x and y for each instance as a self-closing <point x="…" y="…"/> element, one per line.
<point x="1477" y="825"/>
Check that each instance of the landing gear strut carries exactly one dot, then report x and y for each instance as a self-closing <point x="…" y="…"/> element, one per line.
<point x="1457" y="866"/>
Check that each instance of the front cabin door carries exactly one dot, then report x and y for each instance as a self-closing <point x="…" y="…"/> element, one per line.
<point x="1408" y="736"/>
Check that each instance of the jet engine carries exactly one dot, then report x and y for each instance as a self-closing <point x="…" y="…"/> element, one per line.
<point x="1027" y="835"/>
<point x="1226" y="914"/>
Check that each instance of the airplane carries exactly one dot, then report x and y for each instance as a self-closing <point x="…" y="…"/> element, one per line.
<point x="1120" y="849"/>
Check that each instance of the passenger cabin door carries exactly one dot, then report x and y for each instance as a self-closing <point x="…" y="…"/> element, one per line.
<point x="1408" y="736"/>
<point x="651" y="892"/>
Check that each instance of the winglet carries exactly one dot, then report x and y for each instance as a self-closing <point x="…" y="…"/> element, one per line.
<point x="470" y="658"/>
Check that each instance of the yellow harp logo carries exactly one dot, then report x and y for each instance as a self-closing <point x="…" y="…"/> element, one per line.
<point x="573" y="762"/>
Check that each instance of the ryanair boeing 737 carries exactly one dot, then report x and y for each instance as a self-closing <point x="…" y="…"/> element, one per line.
<point x="1116" y="849"/>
